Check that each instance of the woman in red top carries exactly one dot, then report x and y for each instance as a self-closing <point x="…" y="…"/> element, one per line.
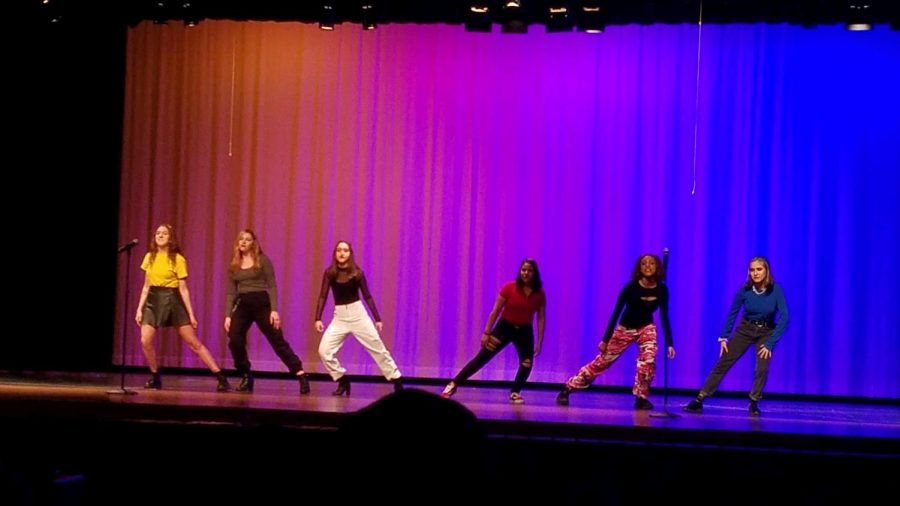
<point x="519" y="301"/>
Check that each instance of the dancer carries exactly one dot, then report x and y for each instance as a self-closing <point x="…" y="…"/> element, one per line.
<point x="640" y="298"/>
<point x="516" y="306"/>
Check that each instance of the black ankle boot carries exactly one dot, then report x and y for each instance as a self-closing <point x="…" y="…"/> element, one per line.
<point x="563" y="397"/>
<point x="754" y="408"/>
<point x="155" y="381"/>
<point x="222" y="382"/>
<point x="398" y="384"/>
<point x="642" y="404"/>
<point x="343" y="386"/>
<point x="246" y="384"/>
<point x="304" y="384"/>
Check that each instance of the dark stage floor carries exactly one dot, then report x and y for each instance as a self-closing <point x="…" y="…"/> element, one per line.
<point x="597" y="449"/>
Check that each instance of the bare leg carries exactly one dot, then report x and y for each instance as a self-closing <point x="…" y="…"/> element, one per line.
<point x="190" y="337"/>
<point x="147" y="333"/>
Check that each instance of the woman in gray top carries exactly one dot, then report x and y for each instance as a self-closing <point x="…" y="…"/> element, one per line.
<point x="252" y="297"/>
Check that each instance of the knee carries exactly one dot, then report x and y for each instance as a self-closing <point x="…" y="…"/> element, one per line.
<point x="147" y="341"/>
<point x="527" y="363"/>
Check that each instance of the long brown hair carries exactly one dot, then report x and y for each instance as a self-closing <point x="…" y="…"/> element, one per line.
<point x="660" y="275"/>
<point x="255" y="251"/>
<point x="352" y="268"/>
<point x="174" y="248"/>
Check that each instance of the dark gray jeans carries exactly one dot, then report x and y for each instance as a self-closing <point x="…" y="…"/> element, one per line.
<point x="747" y="336"/>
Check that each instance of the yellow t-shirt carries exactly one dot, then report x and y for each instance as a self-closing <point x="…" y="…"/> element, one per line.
<point x="162" y="272"/>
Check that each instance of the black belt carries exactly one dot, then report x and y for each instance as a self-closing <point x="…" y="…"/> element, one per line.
<point x="759" y="323"/>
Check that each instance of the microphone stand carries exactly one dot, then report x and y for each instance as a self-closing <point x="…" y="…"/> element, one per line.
<point x="665" y="413"/>
<point x="122" y="390"/>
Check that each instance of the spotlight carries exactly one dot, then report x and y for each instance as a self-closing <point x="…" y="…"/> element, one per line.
<point x="859" y="16"/>
<point x="513" y="19"/>
<point x="478" y="18"/>
<point x="591" y="18"/>
<point x="328" y="17"/>
<point x="558" y="18"/>
<point x="368" y="17"/>
<point x="190" y="14"/>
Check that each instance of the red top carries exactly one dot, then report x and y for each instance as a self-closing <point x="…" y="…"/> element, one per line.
<point x="519" y="309"/>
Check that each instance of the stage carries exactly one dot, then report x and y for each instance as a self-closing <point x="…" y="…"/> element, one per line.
<point x="597" y="447"/>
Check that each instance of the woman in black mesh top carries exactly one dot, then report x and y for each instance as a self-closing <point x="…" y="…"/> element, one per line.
<point x="253" y="297"/>
<point x="347" y="280"/>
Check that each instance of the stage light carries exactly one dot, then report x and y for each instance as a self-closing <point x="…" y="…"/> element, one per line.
<point x="859" y="16"/>
<point x="478" y="18"/>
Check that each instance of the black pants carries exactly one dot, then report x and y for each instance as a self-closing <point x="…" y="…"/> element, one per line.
<point x="522" y="337"/>
<point x="255" y="307"/>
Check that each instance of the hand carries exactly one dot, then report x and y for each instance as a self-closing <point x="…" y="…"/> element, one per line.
<point x="193" y="322"/>
<point x="275" y="320"/>
<point x="139" y="317"/>
<point x="319" y="327"/>
<point x="379" y="326"/>
<point x="227" y="323"/>
<point x="671" y="352"/>
<point x="764" y="352"/>
<point x="489" y="342"/>
<point x="537" y="350"/>
<point x="602" y="346"/>
<point x="723" y="348"/>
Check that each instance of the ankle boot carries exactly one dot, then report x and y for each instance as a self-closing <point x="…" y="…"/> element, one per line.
<point x="222" y="382"/>
<point x="155" y="381"/>
<point x="563" y="397"/>
<point x="304" y="384"/>
<point x="246" y="384"/>
<point x="343" y="386"/>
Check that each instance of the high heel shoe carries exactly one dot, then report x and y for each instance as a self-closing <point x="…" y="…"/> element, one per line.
<point x="398" y="384"/>
<point x="246" y="384"/>
<point x="155" y="381"/>
<point x="343" y="386"/>
<point x="304" y="385"/>
<point x="222" y="382"/>
<point x="562" y="398"/>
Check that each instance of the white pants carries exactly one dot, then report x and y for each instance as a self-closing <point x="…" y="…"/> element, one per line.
<point x="353" y="319"/>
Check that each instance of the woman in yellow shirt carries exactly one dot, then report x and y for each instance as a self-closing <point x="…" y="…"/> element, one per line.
<point x="166" y="302"/>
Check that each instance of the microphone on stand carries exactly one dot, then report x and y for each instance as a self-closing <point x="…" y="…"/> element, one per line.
<point x="127" y="246"/>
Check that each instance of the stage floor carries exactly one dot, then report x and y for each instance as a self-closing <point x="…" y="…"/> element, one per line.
<point x="824" y="427"/>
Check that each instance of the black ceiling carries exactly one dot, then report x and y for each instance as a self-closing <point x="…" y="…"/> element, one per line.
<point x="615" y="12"/>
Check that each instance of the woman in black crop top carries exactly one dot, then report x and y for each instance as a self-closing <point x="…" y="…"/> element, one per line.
<point x="640" y="298"/>
<point x="347" y="280"/>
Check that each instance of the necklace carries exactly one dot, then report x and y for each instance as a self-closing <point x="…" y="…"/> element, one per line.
<point x="758" y="292"/>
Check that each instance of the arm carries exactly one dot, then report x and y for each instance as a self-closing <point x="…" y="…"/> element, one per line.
<point x="139" y="315"/>
<point x="541" y="320"/>
<point x="783" y="316"/>
<point x="617" y="312"/>
<point x="487" y="340"/>
<point x="230" y="295"/>
<point x="664" y="319"/>
<point x="272" y="290"/>
<point x="320" y="305"/>
<point x="269" y="273"/>
<point x="736" y="304"/>
<point x="186" y="297"/>
<point x="364" y="288"/>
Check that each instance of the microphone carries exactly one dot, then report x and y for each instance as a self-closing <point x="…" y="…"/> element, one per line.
<point x="127" y="246"/>
<point x="665" y="258"/>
